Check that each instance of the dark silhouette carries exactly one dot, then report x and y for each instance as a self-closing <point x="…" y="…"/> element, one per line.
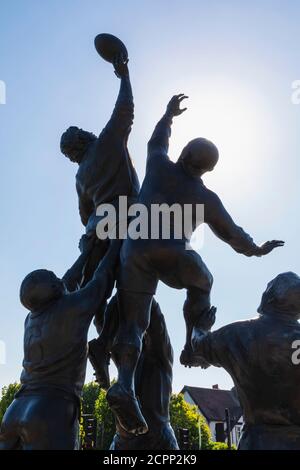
<point x="105" y="167"/>
<point x="153" y="385"/>
<point x="105" y="173"/>
<point x="145" y="262"/>
<point x="44" y="414"/>
<point x="109" y="47"/>
<point x="257" y="353"/>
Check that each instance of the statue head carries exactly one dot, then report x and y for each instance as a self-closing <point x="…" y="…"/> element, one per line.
<point x="282" y="296"/>
<point x="40" y="288"/>
<point x="74" y="143"/>
<point x="199" y="156"/>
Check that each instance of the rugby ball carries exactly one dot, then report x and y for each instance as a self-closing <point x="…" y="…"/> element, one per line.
<point x="108" y="46"/>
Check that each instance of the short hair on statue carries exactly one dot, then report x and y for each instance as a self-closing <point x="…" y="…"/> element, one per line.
<point x="39" y="288"/>
<point x="201" y="153"/>
<point x="75" y="138"/>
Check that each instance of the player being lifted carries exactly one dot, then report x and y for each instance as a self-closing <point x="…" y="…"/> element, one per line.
<point x="105" y="167"/>
<point x="146" y="261"/>
<point x="105" y="173"/>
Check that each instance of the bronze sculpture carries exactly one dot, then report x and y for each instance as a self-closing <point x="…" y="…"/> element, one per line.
<point x="153" y="385"/>
<point x="132" y="326"/>
<point x="146" y="261"/>
<point x="105" y="173"/>
<point x="257" y="353"/>
<point x="44" y="414"/>
<point x="105" y="168"/>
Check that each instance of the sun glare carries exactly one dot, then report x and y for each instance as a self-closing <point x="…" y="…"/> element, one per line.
<point x="238" y="121"/>
<point x="235" y="119"/>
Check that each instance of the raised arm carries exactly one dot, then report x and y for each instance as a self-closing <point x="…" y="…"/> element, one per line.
<point x="88" y="300"/>
<point x="121" y="120"/>
<point x="223" y="226"/>
<point x="72" y="278"/>
<point x="158" y="145"/>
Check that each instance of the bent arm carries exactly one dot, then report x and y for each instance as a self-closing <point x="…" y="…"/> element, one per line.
<point x="224" y="227"/>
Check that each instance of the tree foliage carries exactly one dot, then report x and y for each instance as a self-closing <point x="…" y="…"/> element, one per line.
<point x="7" y="396"/>
<point x="182" y="415"/>
<point x="90" y="394"/>
<point x="185" y="415"/>
<point x="106" y="421"/>
<point x="220" y="446"/>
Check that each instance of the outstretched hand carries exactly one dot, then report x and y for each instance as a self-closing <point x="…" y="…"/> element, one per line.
<point x="173" y="107"/>
<point x="120" y="66"/>
<point x="267" y="247"/>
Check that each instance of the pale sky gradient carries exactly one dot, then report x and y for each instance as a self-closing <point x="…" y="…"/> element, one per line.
<point x="236" y="62"/>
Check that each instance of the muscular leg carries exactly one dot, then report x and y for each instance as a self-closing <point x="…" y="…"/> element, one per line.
<point x="134" y="311"/>
<point x="110" y="322"/>
<point x="106" y="321"/>
<point x="187" y="270"/>
<point x="99" y="349"/>
<point x="197" y="302"/>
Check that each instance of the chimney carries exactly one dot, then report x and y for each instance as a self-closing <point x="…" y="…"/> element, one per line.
<point x="215" y="387"/>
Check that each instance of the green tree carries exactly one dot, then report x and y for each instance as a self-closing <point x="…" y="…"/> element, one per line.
<point x="7" y="396"/>
<point x="182" y="414"/>
<point x="220" y="446"/>
<point x="106" y="421"/>
<point x="185" y="415"/>
<point x="90" y="394"/>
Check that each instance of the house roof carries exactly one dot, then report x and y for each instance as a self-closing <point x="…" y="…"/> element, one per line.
<point x="212" y="402"/>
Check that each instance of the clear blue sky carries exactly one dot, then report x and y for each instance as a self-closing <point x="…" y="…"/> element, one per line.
<point x="235" y="60"/>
